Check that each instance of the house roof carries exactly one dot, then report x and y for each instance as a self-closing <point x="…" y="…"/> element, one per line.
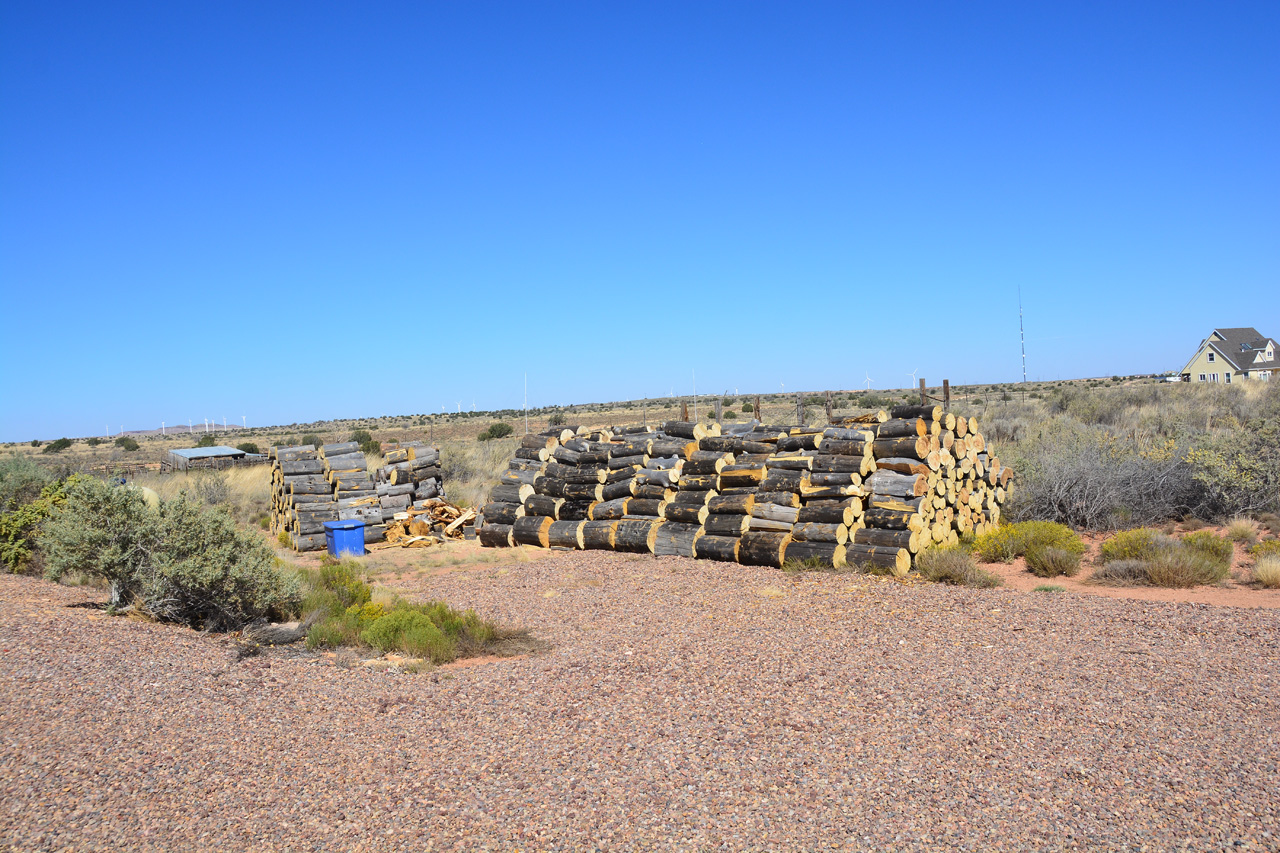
<point x="206" y="452"/>
<point x="1238" y="346"/>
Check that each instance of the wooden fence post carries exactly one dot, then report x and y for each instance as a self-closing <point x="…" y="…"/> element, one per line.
<point x="923" y="398"/>
<point x="946" y="394"/>
<point x="828" y="407"/>
<point x="684" y="410"/>
<point x="758" y="408"/>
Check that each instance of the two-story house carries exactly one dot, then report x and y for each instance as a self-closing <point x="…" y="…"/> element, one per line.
<point x="1229" y="355"/>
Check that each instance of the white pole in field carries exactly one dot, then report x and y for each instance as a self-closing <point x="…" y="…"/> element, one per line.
<point x="244" y="422"/>
<point x="162" y="432"/>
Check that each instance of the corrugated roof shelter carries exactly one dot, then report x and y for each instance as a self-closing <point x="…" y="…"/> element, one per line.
<point x="186" y="458"/>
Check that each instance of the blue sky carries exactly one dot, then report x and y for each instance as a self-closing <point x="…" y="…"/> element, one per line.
<point x="305" y="211"/>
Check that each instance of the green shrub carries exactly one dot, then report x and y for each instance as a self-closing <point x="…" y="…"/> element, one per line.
<point x="557" y="419"/>
<point x="1137" y="544"/>
<point x="127" y="444"/>
<point x="248" y="447"/>
<point x="57" y="446"/>
<point x="1266" y="548"/>
<point x="22" y="480"/>
<point x="345" y="579"/>
<point x="93" y="441"/>
<point x="997" y="546"/>
<point x="207" y="440"/>
<point x="748" y="407"/>
<point x="1032" y="539"/>
<point x="1180" y="567"/>
<point x="179" y="562"/>
<point x="35" y="442"/>
<point x="1052" y="561"/>
<point x="1047" y="587"/>
<point x="312" y="439"/>
<point x="1122" y="572"/>
<point x="1213" y="548"/>
<point x="361" y="436"/>
<point x="956" y="566"/>
<point x="496" y="430"/>
<point x="730" y="416"/>
<point x="20" y="527"/>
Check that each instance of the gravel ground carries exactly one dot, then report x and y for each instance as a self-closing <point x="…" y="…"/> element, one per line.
<point x="683" y="706"/>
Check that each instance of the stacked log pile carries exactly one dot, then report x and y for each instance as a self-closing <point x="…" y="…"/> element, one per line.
<point x="871" y="492"/>
<point x="311" y="485"/>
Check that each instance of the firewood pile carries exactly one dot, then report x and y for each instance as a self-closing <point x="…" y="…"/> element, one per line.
<point x="870" y="491"/>
<point x="431" y="524"/>
<point x="311" y="485"/>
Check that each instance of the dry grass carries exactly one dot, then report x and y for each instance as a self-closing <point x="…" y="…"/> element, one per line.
<point x="1242" y="530"/>
<point x="1266" y="571"/>
<point x="955" y="566"/>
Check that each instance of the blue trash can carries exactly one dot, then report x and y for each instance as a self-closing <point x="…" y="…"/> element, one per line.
<point x="344" y="538"/>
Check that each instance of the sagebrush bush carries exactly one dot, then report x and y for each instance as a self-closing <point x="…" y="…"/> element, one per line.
<point x="21" y="481"/>
<point x="21" y="525"/>
<point x="1122" y="572"/>
<point x="1033" y="539"/>
<point x="1212" y="547"/>
<point x="1266" y="548"/>
<point x="1180" y="567"/>
<point x="177" y="562"/>
<point x="127" y="444"/>
<point x="1052" y="561"/>
<point x="1136" y="544"/>
<point x="248" y="447"/>
<point x="57" y="446"/>
<point x="495" y="430"/>
<point x="1266" y="571"/>
<point x="954" y="565"/>
<point x="345" y="579"/>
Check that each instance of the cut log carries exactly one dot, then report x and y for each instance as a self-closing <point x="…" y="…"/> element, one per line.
<point x="610" y="510"/>
<point x="914" y="448"/>
<point x="766" y="524"/>
<point x="341" y="449"/>
<point x="727" y="525"/>
<point x="782" y="481"/>
<point x="537" y="442"/>
<point x="654" y="493"/>
<point x="686" y="513"/>
<point x="543" y="505"/>
<point x="839" y="447"/>
<point x="598" y="535"/>
<point x="694" y="497"/>
<point x="613" y="491"/>
<point x="511" y="493"/>
<point x="495" y="535"/>
<point x="676" y="540"/>
<point x="636" y="536"/>
<point x="842" y="515"/>
<point x="781" y="498"/>
<point x="820" y="532"/>
<point x="887" y="538"/>
<point x="904" y="465"/>
<point x="763" y="549"/>
<point x="582" y="492"/>
<point x="732" y="504"/>
<point x="898" y="485"/>
<point x="699" y="482"/>
<point x="929" y="413"/>
<point x="684" y="429"/>
<point x="775" y="512"/>
<point x="576" y="510"/>
<point x="902" y="427"/>
<point x="893" y="519"/>
<point x="827" y="554"/>
<point x="640" y="506"/>
<point x="723" y="548"/>
<point x="531" y="530"/>
<point x="808" y="441"/>
<point x="502" y="513"/>
<point x="896" y="560"/>
<point x="565" y="534"/>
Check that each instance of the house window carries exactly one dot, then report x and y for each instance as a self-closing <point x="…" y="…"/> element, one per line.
<point x="1270" y="355"/>
<point x="1228" y="375"/>
<point x="1201" y="377"/>
<point x="1211" y="357"/>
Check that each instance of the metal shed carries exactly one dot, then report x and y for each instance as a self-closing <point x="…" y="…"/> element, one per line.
<point x="187" y="458"/>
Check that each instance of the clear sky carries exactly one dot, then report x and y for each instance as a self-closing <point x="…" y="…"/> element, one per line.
<point x="314" y="210"/>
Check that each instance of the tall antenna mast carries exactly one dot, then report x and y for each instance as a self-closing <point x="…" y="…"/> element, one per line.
<point x="1020" y="333"/>
<point x="1023" y="335"/>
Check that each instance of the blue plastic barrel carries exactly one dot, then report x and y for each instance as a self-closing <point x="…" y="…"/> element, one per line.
<point x="344" y="538"/>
